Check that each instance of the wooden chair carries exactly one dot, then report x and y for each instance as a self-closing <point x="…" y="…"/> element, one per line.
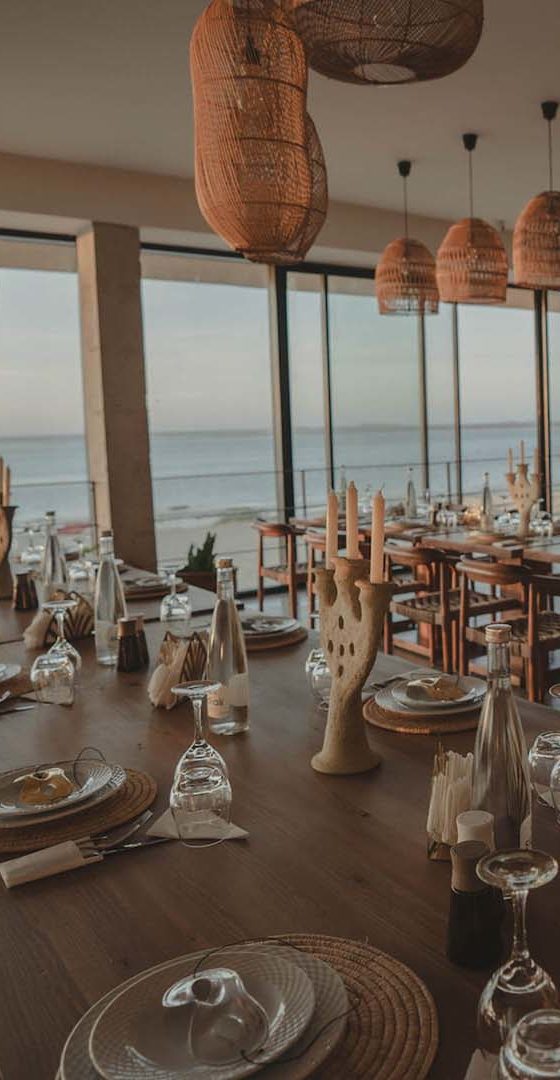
<point x="506" y="596"/>
<point x="537" y="635"/>
<point x="289" y="572"/>
<point x="316" y="544"/>
<point x="421" y="599"/>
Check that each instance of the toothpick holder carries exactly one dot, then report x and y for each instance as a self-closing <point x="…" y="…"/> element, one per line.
<point x="6" y="583"/>
<point x="351" y="613"/>
<point x="524" y="492"/>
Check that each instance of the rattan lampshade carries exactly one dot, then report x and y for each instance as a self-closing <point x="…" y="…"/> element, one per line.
<point x="536" y="236"/>
<point x="259" y="169"/>
<point x="405" y="277"/>
<point x="472" y="265"/>
<point x="387" y="41"/>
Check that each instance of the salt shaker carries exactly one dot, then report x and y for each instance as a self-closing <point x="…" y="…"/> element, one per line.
<point x="130" y="655"/>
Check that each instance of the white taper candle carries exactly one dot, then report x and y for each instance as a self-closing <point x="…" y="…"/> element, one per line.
<point x="332" y="530"/>
<point x="352" y="545"/>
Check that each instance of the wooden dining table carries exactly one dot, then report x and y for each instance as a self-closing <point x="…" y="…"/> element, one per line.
<point x="340" y="855"/>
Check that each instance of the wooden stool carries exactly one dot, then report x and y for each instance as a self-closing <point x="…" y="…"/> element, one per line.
<point x="289" y="572"/>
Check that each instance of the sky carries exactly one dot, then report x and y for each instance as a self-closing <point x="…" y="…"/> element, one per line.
<point x="207" y="359"/>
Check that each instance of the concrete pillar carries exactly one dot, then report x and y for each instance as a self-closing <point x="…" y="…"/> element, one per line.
<point x="115" y="389"/>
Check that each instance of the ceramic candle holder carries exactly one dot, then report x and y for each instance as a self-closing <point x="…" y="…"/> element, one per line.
<point x="524" y="491"/>
<point x="351" y="612"/>
<point x="6" y="583"/>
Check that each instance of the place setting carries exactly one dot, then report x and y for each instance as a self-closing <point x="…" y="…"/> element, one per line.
<point x="263" y="632"/>
<point x="424" y="702"/>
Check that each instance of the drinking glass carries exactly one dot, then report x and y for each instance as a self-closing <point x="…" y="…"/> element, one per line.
<point x="520" y="985"/>
<point x="81" y="572"/>
<point x="532" y="1048"/>
<point x="314" y="657"/>
<point x="201" y="791"/>
<point x="554" y="789"/>
<point x="52" y="678"/>
<point x="58" y="608"/>
<point x="543" y="755"/>
<point x="32" y="555"/>
<point x="176" y="608"/>
<point x="321" y="682"/>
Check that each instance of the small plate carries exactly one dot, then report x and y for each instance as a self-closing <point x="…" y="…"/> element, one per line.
<point x="259" y="625"/>
<point x="475" y="690"/>
<point x="92" y="777"/>
<point x="135" y="1033"/>
<point x="9" y="671"/>
<point x="325" y="1031"/>
<point x="386" y="700"/>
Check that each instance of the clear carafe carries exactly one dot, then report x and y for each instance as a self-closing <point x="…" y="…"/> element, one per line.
<point x="110" y="604"/>
<point x="228" y="706"/>
<point x="501" y="782"/>
<point x="411" y="507"/>
<point x="54" y="573"/>
<point x="487" y="507"/>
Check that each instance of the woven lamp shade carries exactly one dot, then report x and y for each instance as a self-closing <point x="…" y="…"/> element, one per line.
<point x="405" y="279"/>
<point x="387" y="41"/>
<point x="536" y="242"/>
<point x="472" y="265"/>
<point x="259" y="169"/>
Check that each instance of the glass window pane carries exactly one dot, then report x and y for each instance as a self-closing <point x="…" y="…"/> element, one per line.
<point x="306" y="390"/>
<point x="209" y="403"/>
<point x="41" y="403"/>
<point x="553" y="302"/>
<point x="440" y="401"/>
<point x="374" y="362"/>
<point x="497" y="377"/>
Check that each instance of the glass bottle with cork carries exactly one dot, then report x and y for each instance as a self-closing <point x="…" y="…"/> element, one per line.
<point x="228" y="706"/>
<point x="54" y="573"/>
<point x="501" y="782"/>
<point x="110" y="604"/>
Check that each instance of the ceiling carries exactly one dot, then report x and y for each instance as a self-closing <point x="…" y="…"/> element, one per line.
<point x="106" y="82"/>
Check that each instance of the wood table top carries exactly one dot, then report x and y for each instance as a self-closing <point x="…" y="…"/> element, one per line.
<point x="334" y="855"/>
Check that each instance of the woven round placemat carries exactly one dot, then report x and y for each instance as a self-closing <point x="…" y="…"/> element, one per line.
<point x="276" y="641"/>
<point x="392" y="1030"/>
<point x="128" y="802"/>
<point x="408" y="724"/>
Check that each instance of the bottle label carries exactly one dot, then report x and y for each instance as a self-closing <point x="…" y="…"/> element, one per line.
<point x="218" y="706"/>
<point x="233" y="694"/>
<point x="238" y="689"/>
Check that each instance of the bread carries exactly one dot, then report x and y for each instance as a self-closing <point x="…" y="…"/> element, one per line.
<point x="45" y="786"/>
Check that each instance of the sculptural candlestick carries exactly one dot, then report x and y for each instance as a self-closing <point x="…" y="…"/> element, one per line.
<point x="351" y="612"/>
<point x="524" y="491"/>
<point x="6" y="584"/>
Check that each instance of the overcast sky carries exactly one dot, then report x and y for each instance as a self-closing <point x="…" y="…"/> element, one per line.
<point x="207" y="359"/>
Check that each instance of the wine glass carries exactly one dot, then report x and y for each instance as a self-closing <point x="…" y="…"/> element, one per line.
<point x="176" y="608"/>
<point x="58" y="608"/>
<point x="313" y="658"/>
<point x="81" y="572"/>
<point x="201" y="792"/>
<point x="532" y="1048"/>
<point x="520" y="985"/>
<point x="32" y="555"/>
<point x="543" y="755"/>
<point x="52" y="678"/>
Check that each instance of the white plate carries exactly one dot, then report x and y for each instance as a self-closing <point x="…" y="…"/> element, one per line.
<point x="118" y="779"/>
<point x="325" y="1030"/>
<point x="384" y="698"/>
<point x="9" y="671"/>
<point x="258" y="625"/>
<point x="92" y="776"/>
<point x="135" y="1033"/>
<point x="475" y="690"/>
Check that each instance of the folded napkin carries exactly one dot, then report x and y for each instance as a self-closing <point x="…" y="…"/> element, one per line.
<point x="34" y="635"/>
<point x="435" y="688"/>
<point x="42" y="629"/>
<point x="179" y="660"/>
<point x="214" y="830"/>
<point x="481" y="1068"/>
<point x="44" y="863"/>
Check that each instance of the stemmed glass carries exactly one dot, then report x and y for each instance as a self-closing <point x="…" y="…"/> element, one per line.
<point x="520" y="985"/>
<point x="543" y="755"/>
<point x="81" y="572"/>
<point x="176" y="608"/>
<point x="201" y="792"/>
<point x="62" y="647"/>
<point x="532" y="1048"/>
<point x="32" y="555"/>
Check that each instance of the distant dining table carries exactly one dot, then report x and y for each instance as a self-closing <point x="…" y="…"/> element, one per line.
<point x="338" y="855"/>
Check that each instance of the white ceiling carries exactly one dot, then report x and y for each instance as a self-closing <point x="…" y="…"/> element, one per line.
<point x="106" y="82"/>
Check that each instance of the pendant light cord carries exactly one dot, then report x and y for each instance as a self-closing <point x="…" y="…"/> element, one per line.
<point x="549" y="110"/>
<point x="550" y="178"/>
<point x="471" y="197"/>
<point x="405" y="200"/>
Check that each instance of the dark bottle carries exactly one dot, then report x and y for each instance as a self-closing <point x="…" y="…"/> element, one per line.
<point x="475" y="911"/>
<point x="130" y="656"/>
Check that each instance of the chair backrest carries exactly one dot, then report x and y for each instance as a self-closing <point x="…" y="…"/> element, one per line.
<point x="273" y="528"/>
<point x="403" y="553"/>
<point x="492" y="573"/>
<point x="545" y="584"/>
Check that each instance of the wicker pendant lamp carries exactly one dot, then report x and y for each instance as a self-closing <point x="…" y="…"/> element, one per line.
<point x="387" y="41"/>
<point x="471" y="264"/>
<point x="405" y="277"/>
<point x="260" y="175"/>
<point x="536" y="237"/>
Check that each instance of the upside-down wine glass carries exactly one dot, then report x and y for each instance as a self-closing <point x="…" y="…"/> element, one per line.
<point x="176" y="608"/>
<point x="201" y="792"/>
<point x="61" y="646"/>
<point x="520" y="985"/>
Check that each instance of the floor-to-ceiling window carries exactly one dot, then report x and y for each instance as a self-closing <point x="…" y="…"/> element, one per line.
<point x="209" y="404"/>
<point x="553" y="305"/>
<point x="305" y="341"/>
<point x="41" y="397"/>
<point x="497" y="385"/>
<point x="375" y="388"/>
<point x="440" y="399"/>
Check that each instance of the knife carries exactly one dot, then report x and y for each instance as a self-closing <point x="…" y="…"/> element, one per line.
<point x="150" y="841"/>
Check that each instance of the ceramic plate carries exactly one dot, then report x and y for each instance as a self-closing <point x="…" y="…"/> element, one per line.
<point x="92" y="777"/>
<point x="135" y="1033"/>
<point x="475" y="690"/>
<point x="262" y="625"/>
<point x="385" y="699"/>
<point x="118" y="779"/>
<point x="326" y="1028"/>
<point x="9" y="671"/>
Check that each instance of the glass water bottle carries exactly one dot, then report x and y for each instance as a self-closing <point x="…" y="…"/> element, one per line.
<point x="411" y="508"/>
<point x="110" y="604"/>
<point x="501" y="769"/>
<point x="54" y="574"/>
<point x="487" y="513"/>
<point x="228" y="707"/>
